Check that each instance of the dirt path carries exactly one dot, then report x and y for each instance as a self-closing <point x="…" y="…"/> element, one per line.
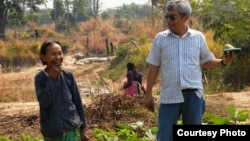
<point x="215" y="103"/>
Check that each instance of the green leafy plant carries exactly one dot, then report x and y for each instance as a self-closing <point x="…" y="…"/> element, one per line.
<point x="216" y="119"/>
<point x="151" y="133"/>
<point x="236" y="117"/>
<point x="23" y="138"/>
<point x="29" y="138"/>
<point x="3" y="138"/>
<point x="127" y="132"/>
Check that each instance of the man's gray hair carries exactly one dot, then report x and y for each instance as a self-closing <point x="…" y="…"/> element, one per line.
<point x="182" y="6"/>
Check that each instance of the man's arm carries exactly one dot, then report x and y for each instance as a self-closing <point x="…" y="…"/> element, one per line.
<point x="228" y="58"/>
<point x="151" y="78"/>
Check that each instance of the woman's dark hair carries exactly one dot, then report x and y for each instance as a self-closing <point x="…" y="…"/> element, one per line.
<point x="136" y="75"/>
<point x="130" y="66"/>
<point x="45" y="46"/>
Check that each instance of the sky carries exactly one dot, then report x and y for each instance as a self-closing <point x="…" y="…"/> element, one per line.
<point x="116" y="3"/>
<point x="105" y="4"/>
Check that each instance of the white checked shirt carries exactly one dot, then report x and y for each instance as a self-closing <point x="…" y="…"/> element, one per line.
<point x="179" y="59"/>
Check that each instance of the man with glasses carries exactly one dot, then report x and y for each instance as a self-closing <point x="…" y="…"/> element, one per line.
<point x="178" y="53"/>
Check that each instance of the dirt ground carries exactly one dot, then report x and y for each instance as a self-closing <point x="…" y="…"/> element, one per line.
<point x="22" y="118"/>
<point x="217" y="103"/>
<point x="19" y="119"/>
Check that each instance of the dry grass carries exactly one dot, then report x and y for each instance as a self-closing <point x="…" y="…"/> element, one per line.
<point x="97" y="31"/>
<point x="118" y="108"/>
<point x="18" y="87"/>
<point x="144" y="27"/>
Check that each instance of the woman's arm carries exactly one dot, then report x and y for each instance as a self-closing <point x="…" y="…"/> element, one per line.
<point x="129" y="80"/>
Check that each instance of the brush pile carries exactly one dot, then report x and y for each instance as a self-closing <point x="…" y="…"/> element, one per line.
<point x="104" y="112"/>
<point x="110" y="109"/>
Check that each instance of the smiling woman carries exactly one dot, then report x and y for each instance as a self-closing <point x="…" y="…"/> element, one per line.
<point x="61" y="110"/>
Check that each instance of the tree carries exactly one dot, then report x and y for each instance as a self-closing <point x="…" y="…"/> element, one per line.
<point x="80" y="10"/>
<point x="67" y="13"/>
<point x="57" y="14"/>
<point x="154" y="2"/>
<point x="230" y="22"/>
<point x="11" y="12"/>
<point x="93" y="8"/>
<point x="44" y="17"/>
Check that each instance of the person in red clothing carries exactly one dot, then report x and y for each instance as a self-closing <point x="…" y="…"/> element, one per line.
<point x="134" y="80"/>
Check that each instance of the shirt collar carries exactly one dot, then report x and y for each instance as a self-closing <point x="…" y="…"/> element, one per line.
<point x="45" y="73"/>
<point x="189" y="31"/>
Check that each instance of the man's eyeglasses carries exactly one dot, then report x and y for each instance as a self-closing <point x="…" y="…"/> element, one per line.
<point x="170" y="17"/>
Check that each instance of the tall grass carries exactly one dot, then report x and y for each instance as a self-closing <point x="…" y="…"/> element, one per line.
<point x="18" y="87"/>
<point x="215" y="47"/>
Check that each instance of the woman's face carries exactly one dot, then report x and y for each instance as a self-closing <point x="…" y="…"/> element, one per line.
<point x="54" y="55"/>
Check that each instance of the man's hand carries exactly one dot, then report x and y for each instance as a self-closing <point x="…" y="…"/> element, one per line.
<point x="151" y="106"/>
<point x="149" y="103"/>
<point x="228" y="57"/>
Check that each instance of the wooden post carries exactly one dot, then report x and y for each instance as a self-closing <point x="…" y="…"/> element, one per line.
<point x="87" y="47"/>
<point x="107" y="46"/>
<point x="112" y="47"/>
